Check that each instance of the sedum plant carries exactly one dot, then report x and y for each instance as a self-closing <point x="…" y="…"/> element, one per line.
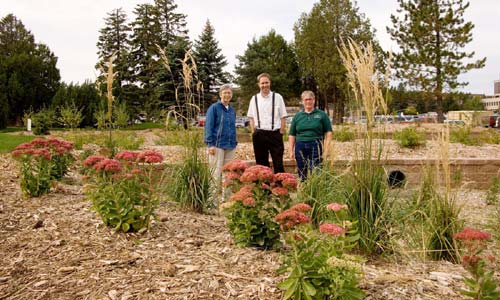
<point x="316" y="262"/>
<point x="482" y="284"/>
<point x="124" y="189"/>
<point x="259" y="196"/>
<point x="42" y="161"/>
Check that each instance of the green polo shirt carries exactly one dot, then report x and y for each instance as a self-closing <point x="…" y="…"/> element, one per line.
<point x="308" y="127"/>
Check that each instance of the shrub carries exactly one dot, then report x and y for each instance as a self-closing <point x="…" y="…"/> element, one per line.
<point x="42" y="161"/>
<point x="463" y="135"/>
<point x="42" y="121"/>
<point x="316" y="263"/>
<point x="259" y="196"/>
<point x="70" y="116"/>
<point x="410" y="137"/>
<point x="124" y="190"/>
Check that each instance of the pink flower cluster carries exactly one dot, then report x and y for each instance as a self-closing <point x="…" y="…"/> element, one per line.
<point x="472" y="234"/>
<point x="245" y="196"/>
<point x="43" y="148"/>
<point x="108" y="165"/>
<point x="237" y="166"/>
<point x="332" y="229"/>
<point x="293" y="216"/>
<point x="286" y="180"/>
<point x="257" y="173"/>
<point x="127" y="155"/>
<point x="336" y="207"/>
<point x="150" y="156"/>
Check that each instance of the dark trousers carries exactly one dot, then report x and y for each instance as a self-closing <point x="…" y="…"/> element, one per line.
<point x="308" y="155"/>
<point x="267" y="142"/>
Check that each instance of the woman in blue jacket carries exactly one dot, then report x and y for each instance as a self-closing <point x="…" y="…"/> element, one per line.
<point x="220" y="133"/>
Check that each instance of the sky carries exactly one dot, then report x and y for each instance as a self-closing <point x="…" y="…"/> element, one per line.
<point x="71" y="28"/>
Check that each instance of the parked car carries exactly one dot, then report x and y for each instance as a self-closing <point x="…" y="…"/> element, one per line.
<point x="454" y="122"/>
<point x="200" y="121"/>
<point x="490" y="121"/>
<point x="240" y="123"/>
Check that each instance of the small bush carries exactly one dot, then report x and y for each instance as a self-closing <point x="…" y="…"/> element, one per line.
<point x="124" y="190"/>
<point x="42" y="161"/>
<point x="410" y="137"/>
<point x="70" y="116"/>
<point x="259" y="196"/>
<point x="42" y="121"/>
<point x="463" y="135"/>
<point x="343" y="134"/>
<point x="317" y="265"/>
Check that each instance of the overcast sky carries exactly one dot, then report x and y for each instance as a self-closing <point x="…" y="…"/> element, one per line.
<point x="70" y="28"/>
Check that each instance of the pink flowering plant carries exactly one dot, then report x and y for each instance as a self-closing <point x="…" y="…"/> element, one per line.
<point x="258" y="196"/>
<point x="482" y="283"/>
<point x="123" y="189"/>
<point x="315" y="260"/>
<point x="42" y="161"/>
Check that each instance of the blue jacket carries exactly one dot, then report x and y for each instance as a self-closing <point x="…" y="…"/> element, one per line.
<point x="220" y="128"/>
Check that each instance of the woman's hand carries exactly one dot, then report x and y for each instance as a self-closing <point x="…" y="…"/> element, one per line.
<point x="211" y="150"/>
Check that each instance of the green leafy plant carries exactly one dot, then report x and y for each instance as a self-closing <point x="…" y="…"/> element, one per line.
<point x="192" y="185"/>
<point x="42" y="121"/>
<point x="259" y="196"/>
<point x="463" y="135"/>
<point x="70" y="116"/>
<point x="482" y="284"/>
<point x="124" y="190"/>
<point x="316" y="262"/>
<point x="42" y="161"/>
<point x="410" y="137"/>
<point x="343" y="134"/>
<point x="120" y="115"/>
<point x="492" y="193"/>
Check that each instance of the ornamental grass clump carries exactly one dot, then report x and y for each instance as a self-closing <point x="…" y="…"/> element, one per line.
<point x="42" y="161"/>
<point x="124" y="189"/>
<point x="410" y="137"/>
<point x="482" y="284"/>
<point x="365" y="186"/>
<point x="258" y="196"/>
<point x="315" y="260"/>
<point x="192" y="186"/>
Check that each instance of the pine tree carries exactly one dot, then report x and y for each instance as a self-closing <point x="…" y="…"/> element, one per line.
<point x="174" y="41"/>
<point x="28" y="70"/>
<point x="114" y="40"/>
<point x="210" y="62"/>
<point x="143" y="58"/>
<point x="273" y="55"/>
<point x="318" y="36"/>
<point x="432" y="35"/>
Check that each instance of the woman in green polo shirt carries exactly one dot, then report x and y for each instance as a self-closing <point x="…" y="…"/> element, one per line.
<point x="310" y="129"/>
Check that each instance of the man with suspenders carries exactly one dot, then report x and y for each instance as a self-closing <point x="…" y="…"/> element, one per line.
<point x="267" y="113"/>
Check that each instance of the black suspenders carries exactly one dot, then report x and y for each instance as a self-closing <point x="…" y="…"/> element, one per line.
<point x="258" y="116"/>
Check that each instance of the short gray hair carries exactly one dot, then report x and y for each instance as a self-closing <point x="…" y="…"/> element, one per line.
<point x="307" y="93"/>
<point x="225" y="87"/>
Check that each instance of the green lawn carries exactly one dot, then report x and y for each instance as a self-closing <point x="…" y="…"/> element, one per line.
<point x="8" y="142"/>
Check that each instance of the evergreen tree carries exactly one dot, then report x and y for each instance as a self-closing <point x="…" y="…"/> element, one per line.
<point x="143" y="58"/>
<point x="114" y="40"/>
<point x="431" y="35"/>
<point x="210" y="62"/>
<point x="318" y="36"/>
<point x="270" y="54"/>
<point x="174" y="41"/>
<point x="28" y="70"/>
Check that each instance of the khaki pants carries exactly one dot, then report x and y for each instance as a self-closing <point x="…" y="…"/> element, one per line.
<point x="216" y="162"/>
